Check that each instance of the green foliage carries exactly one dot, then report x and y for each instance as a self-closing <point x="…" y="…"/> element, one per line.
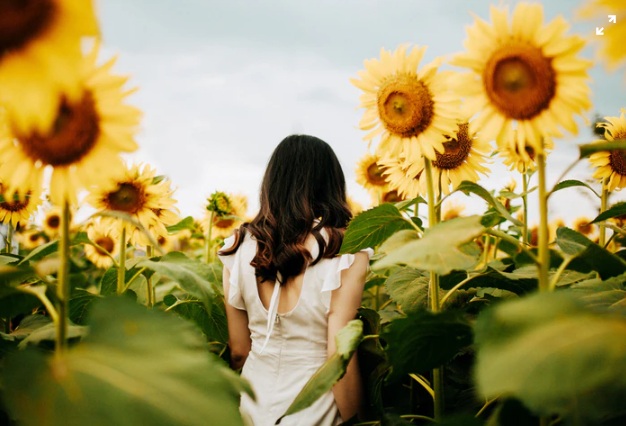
<point x="424" y="340"/>
<point x="372" y="227"/>
<point x="440" y="250"/>
<point x="347" y="340"/>
<point x="142" y="367"/>
<point x="588" y="255"/>
<point x="573" y="183"/>
<point x="470" y="187"/>
<point x="186" y="223"/>
<point x="555" y="355"/>
<point x="196" y="278"/>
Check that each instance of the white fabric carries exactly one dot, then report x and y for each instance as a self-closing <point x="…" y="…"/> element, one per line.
<point x="287" y="348"/>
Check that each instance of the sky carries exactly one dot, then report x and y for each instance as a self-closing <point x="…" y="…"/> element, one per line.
<point x="221" y="83"/>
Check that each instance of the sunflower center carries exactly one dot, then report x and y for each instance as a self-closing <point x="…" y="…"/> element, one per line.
<point x="456" y="150"/>
<point x="375" y="174"/>
<point x="129" y="197"/>
<point x="22" y="21"/>
<point x="520" y="81"/>
<point x="53" y="221"/>
<point x="74" y="134"/>
<point x="617" y="160"/>
<point x="223" y="222"/>
<point x="391" y="197"/>
<point x="13" y="204"/>
<point x="405" y="105"/>
<point x="106" y="243"/>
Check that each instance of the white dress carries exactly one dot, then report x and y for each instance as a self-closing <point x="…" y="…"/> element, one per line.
<point x="288" y="350"/>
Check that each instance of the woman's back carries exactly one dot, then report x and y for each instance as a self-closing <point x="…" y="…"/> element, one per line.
<point x="288" y="344"/>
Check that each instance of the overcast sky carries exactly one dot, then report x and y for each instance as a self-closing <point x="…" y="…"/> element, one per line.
<point x="222" y="82"/>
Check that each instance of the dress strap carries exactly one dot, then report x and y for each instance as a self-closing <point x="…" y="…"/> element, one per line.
<point x="272" y="312"/>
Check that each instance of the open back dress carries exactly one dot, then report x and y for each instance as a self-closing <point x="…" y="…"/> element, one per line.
<point x="287" y="348"/>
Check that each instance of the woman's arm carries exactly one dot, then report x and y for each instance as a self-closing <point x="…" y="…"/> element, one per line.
<point x="238" y="332"/>
<point x="344" y="303"/>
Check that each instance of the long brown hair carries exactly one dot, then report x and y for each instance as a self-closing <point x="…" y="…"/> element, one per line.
<point x="303" y="182"/>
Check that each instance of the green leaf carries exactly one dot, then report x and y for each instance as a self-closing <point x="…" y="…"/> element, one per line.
<point x="471" y="187"/>
<point x="48" y="333"/>
<point x="423" y="340"/>
<point x="186" y="223"/>
<point x="212" y="322"/>
<point x="510" y="281"/>
<point x="408" y="287"/>
<point x="440" y="248"/>
<point x="585" y="150"/>
<point x="372" y="227"/>
<point x="618" y="209"/>
<point x="80" y="305"/>
<point x="570" y="183"/>
<point x="605" y="294"/>
<point x="192" y="275"/>
<point x="136" y="367"/>
<point x="589" y="255"/>
<point x="347" y="339"/>
<point x="553" y="354"/>
<point x="52" y="247"/>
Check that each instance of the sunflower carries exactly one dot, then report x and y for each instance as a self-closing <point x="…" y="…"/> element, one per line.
<point x="584" y="226"/>
<point x="355" y="207"/>
<point x="31" y="238"/>
<point x="369" y="173"/>
<point x="462" y="159"/>
<point x="15" y="208"/>
<point x="452" y="210"/>
<point x="52" y="221"/>
<point x="83" y="145"/>
<point x="147" y="198"/>
<point x="521" y="158"/>
<point x="612" y="42"/>
<point x="166" y="242"/>
<point x="523" y="73"/>
<point x="404" y="179"/>
<point x="226" y="221"/>
<point x="105" y="248"/>
<point x="409" y="109"/>
<point x="611" y="165"/>
<point x="40" y="57"/>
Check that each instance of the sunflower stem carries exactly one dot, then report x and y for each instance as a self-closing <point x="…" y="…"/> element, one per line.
<point x="603" y="206"/>
<point x="525" y="179"/>
<point x="9" y="240"/>
<point x="433" y="288"/>
<point x="208" y="256"/>
<point x="544" y="254"/>
<point x="121" y="270"/>
<point x="149" y="286"/>
<point x="63" y="283"/>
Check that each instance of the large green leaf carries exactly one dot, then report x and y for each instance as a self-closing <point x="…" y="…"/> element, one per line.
<point x="192" y="275"/>
<point x="607" y="294"/>
<point x="424" y="340"/>
<point x="589" y="255"/>
<point x="372" y="227"/>
<point x="212" y="322"/>
<point x="440" y="250"/>
<point x="52" y="247"/>
<point x="408" y="287"/>
<point x="515" y="282"/>
<point x="186" y="223"/>
<point x="571" y="183"/>
<point x="136" y="367"/>
<point x="347" y="339"/>
<point x="555" y="355"/>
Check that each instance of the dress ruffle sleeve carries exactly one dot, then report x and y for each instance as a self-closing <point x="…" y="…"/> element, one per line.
<point x="232" y="262"/>
<point x="332" y="281"/>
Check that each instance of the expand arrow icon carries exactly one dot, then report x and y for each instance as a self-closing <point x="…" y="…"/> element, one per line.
<point x="600" y="31"/>
<point x="613" y="18"/>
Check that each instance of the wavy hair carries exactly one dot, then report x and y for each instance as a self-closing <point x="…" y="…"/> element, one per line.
<point x="303" y="182"/>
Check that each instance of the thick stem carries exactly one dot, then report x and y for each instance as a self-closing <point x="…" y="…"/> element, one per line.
<point x="9" y="240"/>
<point x="544" y="254"/>
<point x="149" y="286"/>
<point x="525" y="179"/>
<point x="121" y="270"/>
<point x="208" y="255"/>
<point x="63" y="282"/>
<point x="433" y="289"/>
<point x="603" y="206"/>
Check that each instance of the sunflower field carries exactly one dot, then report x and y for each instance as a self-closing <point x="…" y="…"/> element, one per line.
<point x="480" y="319"/>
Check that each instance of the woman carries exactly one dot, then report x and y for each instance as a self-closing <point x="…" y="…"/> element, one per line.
<point x="287" y="292"/>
